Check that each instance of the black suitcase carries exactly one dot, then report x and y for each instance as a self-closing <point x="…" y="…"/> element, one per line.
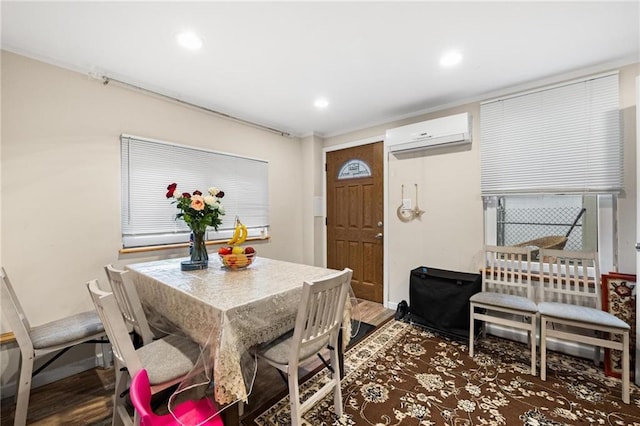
<point x="439" y="299"/>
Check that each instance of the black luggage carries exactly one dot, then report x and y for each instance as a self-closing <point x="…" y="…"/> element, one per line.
<point x="439" y="299"/>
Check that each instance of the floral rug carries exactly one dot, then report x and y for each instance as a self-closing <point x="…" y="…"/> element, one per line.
<point x="619" y="298"/>
<point x="405" y="375"/>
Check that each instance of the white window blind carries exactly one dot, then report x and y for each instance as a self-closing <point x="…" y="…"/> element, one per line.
<point x="562" y="139"/>
<point x="148" y="167"/>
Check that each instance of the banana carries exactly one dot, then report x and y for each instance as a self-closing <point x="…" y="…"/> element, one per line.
<point x="240" y="233"/>
<point x="233" y="239"/>
<point x="243" y="234"/>
<point x="236" y="233"/>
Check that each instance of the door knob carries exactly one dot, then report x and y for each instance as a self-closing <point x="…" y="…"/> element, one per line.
<point x="379" y="236"/>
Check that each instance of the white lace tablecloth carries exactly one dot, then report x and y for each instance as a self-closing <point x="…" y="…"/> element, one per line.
<point x="227" y="312"/>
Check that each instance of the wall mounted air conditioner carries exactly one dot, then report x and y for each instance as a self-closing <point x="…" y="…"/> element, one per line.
<point x="445" y="131"/>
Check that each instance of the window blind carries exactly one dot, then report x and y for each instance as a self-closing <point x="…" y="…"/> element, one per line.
<point x="562" y="139"/>
<point x="148" y="167"/>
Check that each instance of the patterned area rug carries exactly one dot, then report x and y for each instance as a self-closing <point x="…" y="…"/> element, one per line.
<point x="619" y="298"/>
<point x="405" y="375"/>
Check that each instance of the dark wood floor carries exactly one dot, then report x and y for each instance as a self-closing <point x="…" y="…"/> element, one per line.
<point x="85" y="398"/>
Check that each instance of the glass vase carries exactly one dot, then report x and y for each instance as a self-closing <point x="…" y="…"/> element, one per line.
<point x="199" y="256"/>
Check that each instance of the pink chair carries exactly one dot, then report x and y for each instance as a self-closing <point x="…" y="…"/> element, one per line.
<point x="187" y="413"/>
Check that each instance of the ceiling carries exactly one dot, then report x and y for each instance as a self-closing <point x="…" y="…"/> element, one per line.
<point x="374" y="62"/>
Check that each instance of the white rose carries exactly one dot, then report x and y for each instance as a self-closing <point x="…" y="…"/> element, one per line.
<point x="177" y="195"/>
<point x="210" y="200"/>
<point x="221" y="208"/>
<point x="214" y="191"/>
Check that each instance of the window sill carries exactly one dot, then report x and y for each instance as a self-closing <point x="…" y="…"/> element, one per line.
<point x="144" y="249"/>
<point x="6" y="338"/>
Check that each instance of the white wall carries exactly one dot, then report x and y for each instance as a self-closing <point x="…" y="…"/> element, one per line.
<point x="61" y="179"/>
<point x="312" y="189"/>
<point x="627" y="201"/>
<point x="450" y="234"/>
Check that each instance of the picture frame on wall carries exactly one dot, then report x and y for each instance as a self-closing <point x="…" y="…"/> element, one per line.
<point x="619" y="299"/>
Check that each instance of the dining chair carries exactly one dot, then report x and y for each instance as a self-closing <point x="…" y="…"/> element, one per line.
<point x="570" y="298"/>
<point x="167" y="360"/>
<point x="129" y="303"/>
<point x="56" y="336"/>
<point x="202" y="412"/>
<point x="506" y="292"/>
<point x="317" y="326"/>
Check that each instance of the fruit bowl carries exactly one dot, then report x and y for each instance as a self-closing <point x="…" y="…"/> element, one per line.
<point x="236" y="262"/>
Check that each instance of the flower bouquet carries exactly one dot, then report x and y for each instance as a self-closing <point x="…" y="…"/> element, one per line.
<point x="199" y="212"/>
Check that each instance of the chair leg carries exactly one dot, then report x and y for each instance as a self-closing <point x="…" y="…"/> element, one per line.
<point x="543" y="348"/>
<point x="337" y="390"/>
<point x="294" y="397"/>
<point x="120" y="414"/>
<point x="471" y="330"/>
<point x="625" y="367"/>
<point x="23" y="389"/>
<point x="534" y="347"/>
<point x="597" y="350"/>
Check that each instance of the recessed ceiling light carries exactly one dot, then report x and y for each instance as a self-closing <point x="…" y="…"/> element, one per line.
<point x="189" y="40"/>
<point x="451" y="58"/>
<point x="321" y="103"/>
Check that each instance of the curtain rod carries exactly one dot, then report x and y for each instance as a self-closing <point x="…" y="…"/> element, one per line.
<point x="106" y="80"/>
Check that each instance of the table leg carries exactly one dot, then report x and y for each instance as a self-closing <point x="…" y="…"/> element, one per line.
<point x="231" y="415"/>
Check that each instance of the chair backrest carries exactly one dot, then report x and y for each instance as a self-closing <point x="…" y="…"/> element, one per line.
<point x="129" y="303"/>
<point x="140" y="394"/>
<point x="115" y="327"/>
<point x="14" y="314"/>
<point x="321" y="310"/>
<point x="507" y="270"/>
<point x="570" y="277"/>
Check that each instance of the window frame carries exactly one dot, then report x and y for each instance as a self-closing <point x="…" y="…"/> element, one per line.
<point x="606" y="230"/>
<point x="148" y="166"/>
<point x="594" y="93"/>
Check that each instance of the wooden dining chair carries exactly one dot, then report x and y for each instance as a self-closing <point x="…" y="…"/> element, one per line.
<point x="201" y="412"/>
<point x="56" y="336"/>
<point x="506" y="292"/>
<point x="167" y="360"/>
<point x="317" y="326"/>
<point x="570" y="308"/>
<point x="129" y="303"/>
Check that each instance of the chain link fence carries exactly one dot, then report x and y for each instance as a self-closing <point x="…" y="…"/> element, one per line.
<point x="518" y="225"/>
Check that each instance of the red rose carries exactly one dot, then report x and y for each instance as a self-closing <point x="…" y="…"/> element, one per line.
<point x="171" y="189"/>
<point x="186" y="195"/>
<point x="196" y="192"/>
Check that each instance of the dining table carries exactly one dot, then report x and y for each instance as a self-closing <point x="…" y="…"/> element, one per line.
<point x="227" y="312"/>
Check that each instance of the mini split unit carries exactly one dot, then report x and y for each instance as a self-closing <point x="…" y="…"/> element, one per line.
<point x="445" y="131"/>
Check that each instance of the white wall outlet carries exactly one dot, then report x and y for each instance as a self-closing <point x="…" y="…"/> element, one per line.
<point x="406" y="203"/>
